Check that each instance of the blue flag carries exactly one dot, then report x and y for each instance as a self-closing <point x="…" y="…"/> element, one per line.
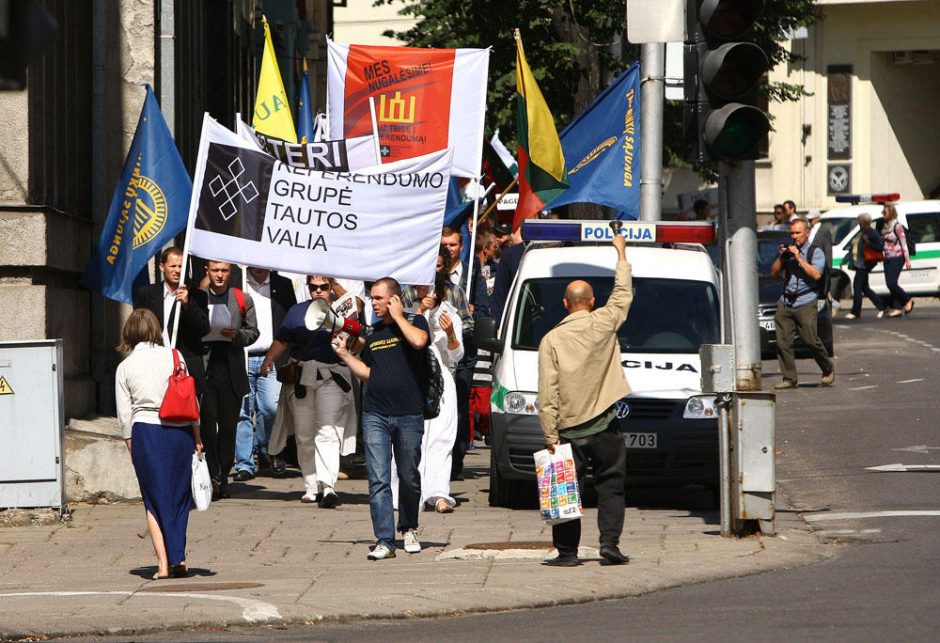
<point x="304" y="113"/>
<point x="457" y="210"/>
<point x="150" y="206"/>
<point x="602" y="149"/>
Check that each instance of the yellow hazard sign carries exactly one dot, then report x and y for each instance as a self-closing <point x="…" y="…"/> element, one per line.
<point x="5" y="386"/>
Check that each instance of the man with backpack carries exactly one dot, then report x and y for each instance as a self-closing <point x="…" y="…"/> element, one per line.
<point x="233" y="327"/>
<point x="802" y="266"/>
<point x="393" y="367"/>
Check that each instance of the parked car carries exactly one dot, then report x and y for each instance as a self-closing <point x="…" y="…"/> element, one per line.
<point x="770" y="290"/>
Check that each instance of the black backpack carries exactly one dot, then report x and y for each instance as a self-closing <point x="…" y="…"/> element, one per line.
<point x="433" y="381"/>
<point x="911" y="242"/>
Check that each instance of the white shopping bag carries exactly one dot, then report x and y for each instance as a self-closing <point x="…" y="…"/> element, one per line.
<point x="202" y="483"/>
<point x="559" y="497"/>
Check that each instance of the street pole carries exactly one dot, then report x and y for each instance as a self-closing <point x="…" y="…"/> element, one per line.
<point x="652" y="93"/>
<point x="741" y="273"/>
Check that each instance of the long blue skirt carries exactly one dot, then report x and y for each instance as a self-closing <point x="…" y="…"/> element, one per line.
<point x="162" y="457"/>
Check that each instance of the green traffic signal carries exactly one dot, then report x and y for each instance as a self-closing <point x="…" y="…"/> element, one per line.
<point x="734" y="131"/>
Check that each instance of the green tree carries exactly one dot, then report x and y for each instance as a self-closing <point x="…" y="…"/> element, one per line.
<point x="573" y="46"/>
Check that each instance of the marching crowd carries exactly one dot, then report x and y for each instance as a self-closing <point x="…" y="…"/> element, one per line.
<point x="264" y="373"/>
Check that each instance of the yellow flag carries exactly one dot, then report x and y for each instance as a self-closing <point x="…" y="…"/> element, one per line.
<point x="272" y="110"/>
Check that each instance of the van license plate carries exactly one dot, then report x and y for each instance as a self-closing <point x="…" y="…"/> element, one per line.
<point x="640" y="440"/>
<point x="770" y="325"/>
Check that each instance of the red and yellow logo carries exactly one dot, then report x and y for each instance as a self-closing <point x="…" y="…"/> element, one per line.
<point x="412" y="91"/>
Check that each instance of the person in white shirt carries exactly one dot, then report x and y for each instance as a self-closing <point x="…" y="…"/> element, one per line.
<point x="273" y="296"/>
<point x="161" y="451"/>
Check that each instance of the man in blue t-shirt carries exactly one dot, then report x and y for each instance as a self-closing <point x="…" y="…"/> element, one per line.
<point x="393" y="367"/>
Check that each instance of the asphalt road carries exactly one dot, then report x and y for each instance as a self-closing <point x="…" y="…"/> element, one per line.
<point x="883" y="586"/>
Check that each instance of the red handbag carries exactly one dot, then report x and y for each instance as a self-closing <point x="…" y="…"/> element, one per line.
<point x="179" y="401"/>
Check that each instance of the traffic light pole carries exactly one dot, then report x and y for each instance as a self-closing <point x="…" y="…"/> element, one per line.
<point x="741" y="249"/>
<point x="652" y="93"/>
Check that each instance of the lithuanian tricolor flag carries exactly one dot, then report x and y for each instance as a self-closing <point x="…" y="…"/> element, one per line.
<point x="542" y="172"/>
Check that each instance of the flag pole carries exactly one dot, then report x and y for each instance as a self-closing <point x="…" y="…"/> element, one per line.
<point x="193" y="207"/>
<point x="375" y="131"/>
<point x="498" y="198"/>
<point x="473" y="233"/>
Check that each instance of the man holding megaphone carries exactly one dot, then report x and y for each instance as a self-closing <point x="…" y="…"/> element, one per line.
<point x="317" y="394"/>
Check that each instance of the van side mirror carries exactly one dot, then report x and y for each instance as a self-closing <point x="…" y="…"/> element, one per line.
<point x="484" y="335"/>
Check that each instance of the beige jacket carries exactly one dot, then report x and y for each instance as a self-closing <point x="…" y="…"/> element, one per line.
<point x="580" y="374"/>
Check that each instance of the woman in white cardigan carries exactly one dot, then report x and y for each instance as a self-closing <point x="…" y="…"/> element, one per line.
<point x="161" y="451"/>
<point x="439" y="433"/>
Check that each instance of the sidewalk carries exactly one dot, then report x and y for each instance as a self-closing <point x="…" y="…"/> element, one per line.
<point x="262" y="556"/>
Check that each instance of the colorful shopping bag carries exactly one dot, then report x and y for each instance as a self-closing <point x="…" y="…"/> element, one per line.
<point x="559" y="496"/>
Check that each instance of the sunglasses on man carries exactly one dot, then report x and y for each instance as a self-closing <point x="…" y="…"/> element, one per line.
<point x="320" y="287"/>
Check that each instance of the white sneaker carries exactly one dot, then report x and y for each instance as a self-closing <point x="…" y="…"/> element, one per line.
<point x="381" y="552"/>
<point x="412" y="546"/>
<point x="309" y="499"/>
<point x="850" y="316"/>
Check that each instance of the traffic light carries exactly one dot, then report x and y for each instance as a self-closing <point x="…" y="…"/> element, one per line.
<point x="723" y="71"/>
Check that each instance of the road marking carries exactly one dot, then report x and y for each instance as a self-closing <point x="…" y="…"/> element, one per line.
<point x="253" y="611"/>
<point x="920" y="448"/>
<point x="862" y="388"/>
<point x="868" y="514"/>
<point x="846" y="532"/>
<point x="901" y="468"/>
<point x="919" y="379"/>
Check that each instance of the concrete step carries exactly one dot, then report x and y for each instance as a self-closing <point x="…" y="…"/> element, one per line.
<point x="98" y="467"/>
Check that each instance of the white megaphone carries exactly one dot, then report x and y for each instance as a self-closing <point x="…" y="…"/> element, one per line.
<point x="320" y="315"/>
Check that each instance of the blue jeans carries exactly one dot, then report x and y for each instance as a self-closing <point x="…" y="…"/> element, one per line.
<point x="893" y="268"/>
<point x="381" y="434"/>
<point x="261" y="402"/>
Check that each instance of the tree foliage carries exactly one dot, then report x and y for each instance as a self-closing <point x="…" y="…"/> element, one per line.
<point x="573" y="46"/>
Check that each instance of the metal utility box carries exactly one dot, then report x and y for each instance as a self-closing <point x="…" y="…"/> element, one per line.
<point x="32" y="424"/>
<point x="717" y="368"/>
<point x="753" y="469"/>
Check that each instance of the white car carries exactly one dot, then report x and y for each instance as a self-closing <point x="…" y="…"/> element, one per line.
<point x="669" y="426"/>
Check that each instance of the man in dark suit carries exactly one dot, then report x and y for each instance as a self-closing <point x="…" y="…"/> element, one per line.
<point x="233" y="327"/>
<point x="168" y="296"/>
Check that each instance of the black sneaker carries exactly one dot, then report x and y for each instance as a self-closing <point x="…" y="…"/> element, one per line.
<point x="562" y="561"/>
<point x="613" y="555"/>
<point x="243" y="475"/>
<point x="278" y="466"/>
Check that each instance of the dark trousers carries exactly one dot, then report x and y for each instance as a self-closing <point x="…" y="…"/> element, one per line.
<point x="220" y="410"/>
<point x="463" y="378"/>
<point x="607" y="454"/>
<point x="802" y="320"/>
<point x="893" y="268"/>
<point x="860" y="287"/>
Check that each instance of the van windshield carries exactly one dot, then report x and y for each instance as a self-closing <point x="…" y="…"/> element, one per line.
<point x="666" y="316"/>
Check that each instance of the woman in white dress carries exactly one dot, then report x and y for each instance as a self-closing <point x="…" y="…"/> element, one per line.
<point x="439" y="434"/>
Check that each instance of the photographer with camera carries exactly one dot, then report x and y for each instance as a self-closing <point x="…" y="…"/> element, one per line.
<point x="802" y="266"/>
<point x="315" y="398"/>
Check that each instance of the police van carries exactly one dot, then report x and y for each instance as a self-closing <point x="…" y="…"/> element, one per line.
<point x="921" y="218"/>
<point x="668" y="425"/>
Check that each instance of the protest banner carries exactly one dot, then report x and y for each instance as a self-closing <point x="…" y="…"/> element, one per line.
<point x="426" y="99"/>
<point x="249" y="208"/>
<point x="340" y="155"/>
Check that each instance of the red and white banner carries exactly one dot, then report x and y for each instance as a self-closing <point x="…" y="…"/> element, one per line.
<point x="425" y="100"/>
